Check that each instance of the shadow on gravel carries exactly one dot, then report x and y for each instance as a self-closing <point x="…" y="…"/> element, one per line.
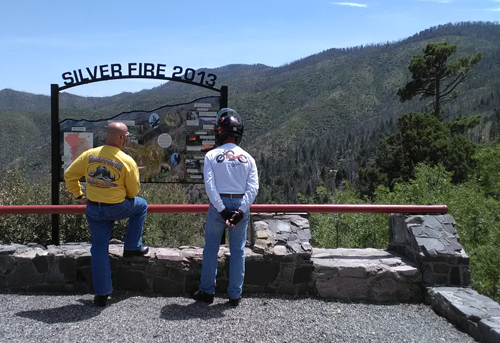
<point x="71" y="313"/>
<point x="64" y="314"/>
<point x="193" y="311"/>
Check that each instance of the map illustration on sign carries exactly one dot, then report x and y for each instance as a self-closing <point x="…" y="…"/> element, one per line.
<point x="74" y="144"/>
<point x="168" y="143"/>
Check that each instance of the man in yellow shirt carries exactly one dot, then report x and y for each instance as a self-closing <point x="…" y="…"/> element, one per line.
<point x="113" y="183"/>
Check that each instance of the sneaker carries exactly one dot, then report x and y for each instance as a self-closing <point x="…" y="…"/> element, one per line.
<point x="202" y="296"/>
<point x="234" y="302"/>
<point x="140" y="252"/>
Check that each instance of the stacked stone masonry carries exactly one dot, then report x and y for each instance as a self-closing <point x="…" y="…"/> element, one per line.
<point x="470" y="311"/>
<point x="433" y="242"/>
<point x="425" y="261"/>
<point x="279" y="259"/>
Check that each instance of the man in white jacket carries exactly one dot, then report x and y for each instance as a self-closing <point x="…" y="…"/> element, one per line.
<point x="232" y="183"/>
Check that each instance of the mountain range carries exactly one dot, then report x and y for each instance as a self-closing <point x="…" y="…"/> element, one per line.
<point x="308" y="123"/>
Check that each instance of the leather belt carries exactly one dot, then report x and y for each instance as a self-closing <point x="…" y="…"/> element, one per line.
<point x="232" y="195"/>
<point x="90" y="202"/>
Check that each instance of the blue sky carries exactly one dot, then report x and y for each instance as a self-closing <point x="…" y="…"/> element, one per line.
<point x="40" y="40"/>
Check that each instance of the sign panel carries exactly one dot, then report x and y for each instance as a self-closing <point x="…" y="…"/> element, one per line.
<point x="169" y="143"/>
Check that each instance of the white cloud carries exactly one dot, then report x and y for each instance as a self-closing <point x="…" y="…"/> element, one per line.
<point x="352" y="4"/>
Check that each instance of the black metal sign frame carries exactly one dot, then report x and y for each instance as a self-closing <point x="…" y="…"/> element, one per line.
<point x="115" y="71"/>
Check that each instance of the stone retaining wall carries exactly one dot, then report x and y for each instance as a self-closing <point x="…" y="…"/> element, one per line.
<point x="351" y="274"/>
<point x="366" y="274"/>
<point x="433" y="243"/>
<point x="279" y="259"/>
<point x="471" y="312"/>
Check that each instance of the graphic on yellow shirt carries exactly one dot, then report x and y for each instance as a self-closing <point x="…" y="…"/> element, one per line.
<point x="102" y="169"/>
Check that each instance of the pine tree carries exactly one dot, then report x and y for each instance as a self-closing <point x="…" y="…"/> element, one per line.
<point x="433" y="76"/>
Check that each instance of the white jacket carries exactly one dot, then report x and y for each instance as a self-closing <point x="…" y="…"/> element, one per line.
<point x="229" y="169"/>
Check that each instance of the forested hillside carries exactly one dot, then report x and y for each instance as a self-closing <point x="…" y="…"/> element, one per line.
<point x="308" y="123"/>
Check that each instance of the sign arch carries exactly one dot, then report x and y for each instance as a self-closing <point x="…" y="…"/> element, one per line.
<point x="116" y="71"/>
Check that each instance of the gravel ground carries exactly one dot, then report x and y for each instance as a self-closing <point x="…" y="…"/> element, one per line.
<point x="134" y="317"/>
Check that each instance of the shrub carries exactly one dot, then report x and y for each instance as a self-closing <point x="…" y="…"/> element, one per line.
<point x="168" y="229"/>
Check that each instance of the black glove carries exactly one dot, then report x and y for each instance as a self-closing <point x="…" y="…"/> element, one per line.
<point x="226" y="214"/>
<point x="236" y="217"/>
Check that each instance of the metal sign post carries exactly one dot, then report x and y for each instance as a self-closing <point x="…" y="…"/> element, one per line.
<point x="56" y="158"/>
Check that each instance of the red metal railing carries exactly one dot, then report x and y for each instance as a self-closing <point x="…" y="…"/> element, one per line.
<point x="271" y="208"/>
<point x="55" y="210"/>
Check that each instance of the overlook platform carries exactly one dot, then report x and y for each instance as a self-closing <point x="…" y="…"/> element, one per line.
<point x="260" y="318"/>
<point x="424" y="264"/>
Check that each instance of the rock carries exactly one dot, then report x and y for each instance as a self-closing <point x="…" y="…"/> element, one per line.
<point x="168" y="255"/>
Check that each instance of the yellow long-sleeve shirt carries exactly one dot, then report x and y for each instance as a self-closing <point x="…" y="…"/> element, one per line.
<point x="111" y="175"/>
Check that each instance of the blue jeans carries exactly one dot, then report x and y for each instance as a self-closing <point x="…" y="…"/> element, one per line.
<point x="214" y="228"/>
<point x="101" y="220"/>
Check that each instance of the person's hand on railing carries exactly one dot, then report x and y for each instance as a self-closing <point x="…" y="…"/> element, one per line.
<point x="83" y="200"/>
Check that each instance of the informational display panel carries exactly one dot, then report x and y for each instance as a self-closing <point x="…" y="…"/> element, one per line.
<point x="169" y="143"/>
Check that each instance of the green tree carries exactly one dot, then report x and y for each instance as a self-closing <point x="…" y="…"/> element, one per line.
<point x="433" y="76"/>
<point x="420" y="138"/>
<point x="487" y="171"/>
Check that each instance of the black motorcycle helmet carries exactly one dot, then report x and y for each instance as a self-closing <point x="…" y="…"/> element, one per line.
<point x="228" y="123"/>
